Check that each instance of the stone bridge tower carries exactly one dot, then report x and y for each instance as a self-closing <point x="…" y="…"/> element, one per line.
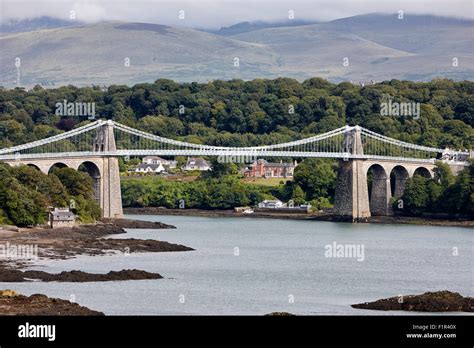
<point x="109" y="197"/>
<point x="352" y="196"/>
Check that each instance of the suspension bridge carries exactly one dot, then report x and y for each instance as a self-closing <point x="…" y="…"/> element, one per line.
<point x="98" y="145"/>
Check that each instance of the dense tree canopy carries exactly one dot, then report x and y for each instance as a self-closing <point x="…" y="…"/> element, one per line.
<point x="236" y="112"/>
<point x="442" y="194"/>
<point x="316" y="177"/>
<point x="26" y="194"/>
<point x="206" y="193"/>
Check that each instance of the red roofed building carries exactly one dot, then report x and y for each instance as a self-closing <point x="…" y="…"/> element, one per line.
<point x="264" y="169"/>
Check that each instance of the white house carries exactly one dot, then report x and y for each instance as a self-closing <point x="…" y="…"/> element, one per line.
<point x="158" y="160"/>
<point x="271" y="204"/>
<point x="149" y="168"/>
<point x="197" y="163"/>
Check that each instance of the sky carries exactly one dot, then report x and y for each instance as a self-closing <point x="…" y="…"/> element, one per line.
<point x="213" y="14"/>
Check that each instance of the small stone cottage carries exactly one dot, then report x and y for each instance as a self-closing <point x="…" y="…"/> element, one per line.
<point x="61" y="217"/>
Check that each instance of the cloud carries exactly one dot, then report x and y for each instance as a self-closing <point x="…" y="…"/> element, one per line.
<point x="217" y="13"/>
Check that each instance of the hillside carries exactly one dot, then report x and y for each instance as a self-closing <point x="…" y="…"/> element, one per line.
<point x="378" y="47"/>
<point x="95" y="54"/>
<point x="243" y="27"/>
<point x="39" y="23"/>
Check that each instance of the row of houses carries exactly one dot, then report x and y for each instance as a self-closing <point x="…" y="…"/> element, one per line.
<point x="155" y="164"/>
<point x="258" y="169"/>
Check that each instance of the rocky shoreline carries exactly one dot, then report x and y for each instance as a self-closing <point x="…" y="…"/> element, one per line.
<point x="69" y="242"/>
<point x="12" y="303"/>
<point x="439" y="221"/>
<point x="126" y="223"/>
<point x="439" y="301"/>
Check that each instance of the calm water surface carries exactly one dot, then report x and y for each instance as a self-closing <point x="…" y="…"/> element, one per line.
<point x="257" y="266"/>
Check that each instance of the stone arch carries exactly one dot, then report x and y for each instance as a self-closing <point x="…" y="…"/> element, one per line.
<point x="423" y="171"/>
<point x="379" y="190"/>
<point x="33" y="166"/>
<point x="57" y="165"/>
<point x="94" y="171"/>
<point x="398" y="177"/>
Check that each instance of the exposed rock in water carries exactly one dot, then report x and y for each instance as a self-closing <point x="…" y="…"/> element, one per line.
<point x="439" y="301"/>
<point x="76" y="232"/>
<point x="66" y="242"/>
<point x="76" y="276"/>
<point x="40" y="305"/>
<point x="279" y="314"/>
<point x="101" y="246"/>
<point x="126" y="223"/>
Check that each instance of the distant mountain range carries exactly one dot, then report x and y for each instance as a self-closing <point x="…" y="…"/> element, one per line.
<point x="24" y="25"/>
<point x="244" y="27"/>
<point x="374" y="47"/>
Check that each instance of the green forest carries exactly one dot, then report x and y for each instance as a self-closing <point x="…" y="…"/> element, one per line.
<point x="246" y="113"/>
<point x="238" y="113"/>
<point x="444" y="193"/>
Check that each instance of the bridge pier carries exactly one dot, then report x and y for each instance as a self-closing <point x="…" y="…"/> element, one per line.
<point x="400" y="176"/>
<point x="381" y="193"/>
<point x="111" y="196"/>
<point x="352" y="195"/>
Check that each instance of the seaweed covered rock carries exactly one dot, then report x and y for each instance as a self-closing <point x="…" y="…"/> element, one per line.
<point x="439" y="301"/>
